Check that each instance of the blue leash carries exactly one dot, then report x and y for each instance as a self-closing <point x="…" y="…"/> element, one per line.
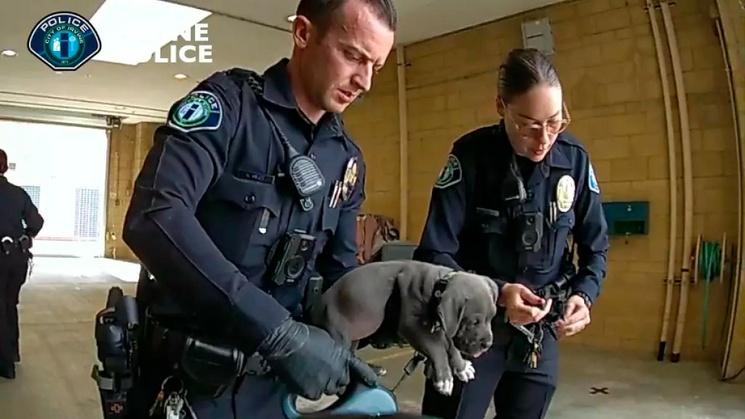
<point x="709" y="267"/>
<point x="358" y="399"/>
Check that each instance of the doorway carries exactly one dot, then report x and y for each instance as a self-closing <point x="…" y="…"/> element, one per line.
<point x="64" y="170"/>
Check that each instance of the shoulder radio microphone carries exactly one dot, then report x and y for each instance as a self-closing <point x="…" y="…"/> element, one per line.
<point x="304" y="173"/>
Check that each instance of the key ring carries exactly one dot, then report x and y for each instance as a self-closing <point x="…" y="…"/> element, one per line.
<point x="165" y="382"/>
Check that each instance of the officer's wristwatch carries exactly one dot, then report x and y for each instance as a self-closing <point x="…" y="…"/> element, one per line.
<point x="585" y="297"/>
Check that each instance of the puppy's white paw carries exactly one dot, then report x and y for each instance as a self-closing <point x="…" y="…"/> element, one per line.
<point x="445" y="386"/>
<point x="468" y="373"/>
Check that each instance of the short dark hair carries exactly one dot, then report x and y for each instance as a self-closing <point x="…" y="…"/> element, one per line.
<point x="322" y="12"/>
<point x="524" y="69"/>
<point x="3" y="162"/>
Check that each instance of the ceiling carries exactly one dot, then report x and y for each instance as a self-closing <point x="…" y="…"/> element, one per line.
<point x="245" y="33"/>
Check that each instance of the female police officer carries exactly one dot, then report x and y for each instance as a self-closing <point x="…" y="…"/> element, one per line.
<point x="504" y="206"/>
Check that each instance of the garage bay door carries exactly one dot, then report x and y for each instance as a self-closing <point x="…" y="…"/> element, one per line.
<point x="61" y="161"/>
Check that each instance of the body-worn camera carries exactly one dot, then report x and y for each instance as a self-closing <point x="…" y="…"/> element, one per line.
<point x="530" y="231"/>
<point x="290" y="257"/>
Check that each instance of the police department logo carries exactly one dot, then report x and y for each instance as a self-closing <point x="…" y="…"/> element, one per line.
<point x="451" y="174"/>
<point x="200" y="110"/>
<point x="64" y="41"/>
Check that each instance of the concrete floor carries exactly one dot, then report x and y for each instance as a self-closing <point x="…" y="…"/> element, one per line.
<point x="57" y="347"/>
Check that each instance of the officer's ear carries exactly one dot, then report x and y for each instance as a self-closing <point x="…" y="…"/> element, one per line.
<point x="301" y="31"/>
<point x="500" y="106"/>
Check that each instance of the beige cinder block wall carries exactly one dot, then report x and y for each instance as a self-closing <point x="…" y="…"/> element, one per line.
<point x="374" y="124"/>
<point x="127" y="150"/>
<point x="607" y="62"/>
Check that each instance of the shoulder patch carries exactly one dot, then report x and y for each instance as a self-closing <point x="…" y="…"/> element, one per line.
<point x="592" y="181"/>
<point x="200" y="110"/>
<point x="451" y="174"/>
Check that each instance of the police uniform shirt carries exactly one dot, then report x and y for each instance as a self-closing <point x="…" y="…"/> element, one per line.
<point x="18" y="214"/>
<point x="210" y="201"/>
<point x="468" y="225"/>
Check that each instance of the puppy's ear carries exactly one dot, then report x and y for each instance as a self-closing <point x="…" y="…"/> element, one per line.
<point x="493" y="288"/>
<point x="450" y="311"/>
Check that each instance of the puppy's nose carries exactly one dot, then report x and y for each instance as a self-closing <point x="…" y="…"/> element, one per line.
<point x="485" y="342"/>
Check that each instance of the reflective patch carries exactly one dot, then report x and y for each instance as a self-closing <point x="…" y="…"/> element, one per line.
<point x="592" y="181"/>
<point x="451" y="174"/>
<point x="199" y="111"/>
<point x="350" y="179"/>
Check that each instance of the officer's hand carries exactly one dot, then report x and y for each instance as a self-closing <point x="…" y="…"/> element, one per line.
<point x="576" y="318"/>
<point x="311" y="363"/>
<point x="523" y="307"/>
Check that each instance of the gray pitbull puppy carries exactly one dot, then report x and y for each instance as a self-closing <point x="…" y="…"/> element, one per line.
<point x="355" y="307"/>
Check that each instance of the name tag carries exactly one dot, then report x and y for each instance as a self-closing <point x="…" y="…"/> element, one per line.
<point x="256" y="177"/>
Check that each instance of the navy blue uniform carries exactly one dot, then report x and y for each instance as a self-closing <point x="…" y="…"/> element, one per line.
<point x="468" y="228"/>
<point x="211" y="201"/>
<point x="18" y="217"/>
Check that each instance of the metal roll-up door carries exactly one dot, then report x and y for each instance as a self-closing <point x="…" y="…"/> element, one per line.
<point x="49" y="116"/>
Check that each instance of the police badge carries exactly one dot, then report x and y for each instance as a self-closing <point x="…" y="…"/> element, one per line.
<point x="349" y="180"/>
<point x="565" y="193"/>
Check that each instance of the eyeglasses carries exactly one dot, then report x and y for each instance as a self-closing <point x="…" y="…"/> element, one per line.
<point x="535" y="129"/>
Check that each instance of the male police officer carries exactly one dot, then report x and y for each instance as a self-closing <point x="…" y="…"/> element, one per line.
<point x="504" y="206"/>
<point x="19" y="223"/>
<point x="252" y="185"/>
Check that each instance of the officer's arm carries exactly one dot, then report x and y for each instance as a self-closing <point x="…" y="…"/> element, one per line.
<point x="162" y="230"/>
<point x="339" y="256"/>
<point x="590" y="235"/>
<point x="34" y="221"/>
<point x="447" y="212"/>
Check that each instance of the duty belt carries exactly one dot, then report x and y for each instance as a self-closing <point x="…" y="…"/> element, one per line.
<point x="7" y="244"/>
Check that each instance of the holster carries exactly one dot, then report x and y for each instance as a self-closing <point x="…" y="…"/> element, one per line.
<point x="116" y="331"/>
<point x="204" y="363"/>
<point x="25" y="243"/>
<point x="7" y="245"/>
<point x="205" y="366"/>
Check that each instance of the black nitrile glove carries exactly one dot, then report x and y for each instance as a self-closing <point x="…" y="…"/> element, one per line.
<point x="310" y="362"/>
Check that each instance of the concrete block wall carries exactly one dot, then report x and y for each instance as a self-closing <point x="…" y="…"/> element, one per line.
<point x="374" y="124"/>
<point x="127" y="151"/>
<point x="607" y="63"/>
